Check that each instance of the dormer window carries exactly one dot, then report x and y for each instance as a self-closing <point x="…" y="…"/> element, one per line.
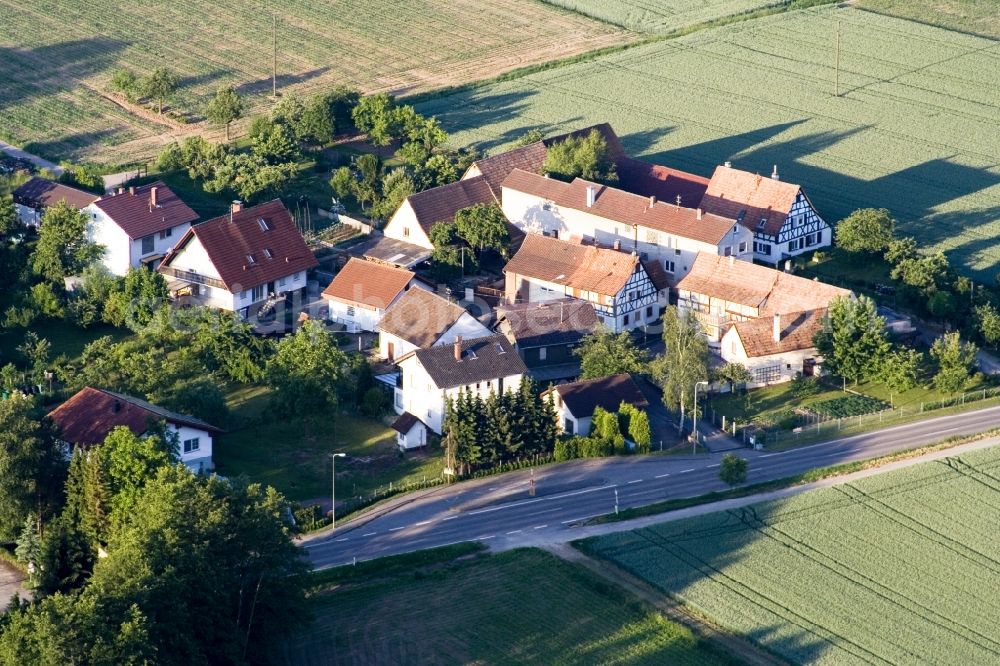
<point x="251" y="260"/>
<point x="262" y="223"/>
<point x="268" y="253"/>
<point x="763" y="221"/>
<point x="472" y="355"/>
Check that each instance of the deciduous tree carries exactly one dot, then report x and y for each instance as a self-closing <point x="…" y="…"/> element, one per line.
<point x="306" y="369"/>
<point x="684" y="361"/>
<point x="62" y="248"/>
<point x="585" y="157"/>
<point x="226" y="107"/>
<point x="868" y="230"/>
<point x="602" y="354"/>
<point x="955" y="360"/>
<point x="484" y="226"/>
<point x="853" y="340"/>
<point x="900" y="371"/>
<point x="159" y="86"/>
<point x="733" y="469"/>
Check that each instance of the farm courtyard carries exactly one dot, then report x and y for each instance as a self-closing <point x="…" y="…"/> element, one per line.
<point x="913" y="128"/>
<point x="896" y="568"/>
<point x="57" y="57"/>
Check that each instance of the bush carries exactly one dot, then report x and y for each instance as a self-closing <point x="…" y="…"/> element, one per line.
<point x="373" y="403"/>
<point x="803" y="387"/>
<point x="784" y="419"/>
<point x="18" y="317"/>
<point x="170" y="158"/>
<point x="733" y="469"/>
<point x="567" y="449"/>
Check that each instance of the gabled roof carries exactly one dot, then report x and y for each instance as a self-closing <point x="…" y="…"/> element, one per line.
<point x="439" y="204"/>
<point x="238" y="246"/>
<point x="797" y="332"/>
<point x="88" y="416"/>
<point x="391" y="251"/>
<point x="496" y="168"/>
<point x="750" y="198"/>
<point x="559" y="322"/>
<point x="141" y="211"/>
<point x="405" y="423"/>
<point x="757" y="286"/>
<point x="608" y="393"/>
<point x="482" y="359"/>
<point x="42" y="193"/>
<point x="368" y="284"/>
<point x="583" y="267"/>
<point x="666" y="184"/>
<point x="620" y="206"/>
<point x="420" y="317"/>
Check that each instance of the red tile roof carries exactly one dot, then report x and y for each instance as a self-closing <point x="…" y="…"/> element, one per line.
<point x="368" y="284"/>
<point x="136" y="214"/>
<point x="496" y="168"/>
<point x="620" y="206"/>
<point x="439" y="204"/>
<point x="88" y="417"/>
<point x="666" y="184"/>
<point x="231" y="241"/>
<point x="41" y="193"/>
<point x="750" y="198"/>
<point x="797" y="332"/>
<point x="420" y="317"/>
<point x="583" y="267"/>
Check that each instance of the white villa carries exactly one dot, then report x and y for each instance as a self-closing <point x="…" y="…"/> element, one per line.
<point x="362" y="291"/>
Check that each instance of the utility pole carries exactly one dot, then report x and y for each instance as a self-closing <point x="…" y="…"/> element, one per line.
<point x="274" y="56"/>
<point x="836" y="84"/>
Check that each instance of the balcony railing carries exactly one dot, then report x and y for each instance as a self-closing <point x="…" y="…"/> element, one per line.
<point x="190" y="276"/>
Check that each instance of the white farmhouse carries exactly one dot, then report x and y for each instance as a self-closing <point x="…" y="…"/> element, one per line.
<point x="420" y="319"/>
<point x="781" y="217"/>
<point x="412" y="221"/>
<point x="90" y="415"/>
<point x="775" y="349"/>
<point x="431" y="377"/>
<point x="624" y="293"/>
<point x="240" y="261"/>
<point x="663" y="231"/>
<point x="363" y="290"/>
<point x="33" y="197"/>
<point x="137" y="226"/>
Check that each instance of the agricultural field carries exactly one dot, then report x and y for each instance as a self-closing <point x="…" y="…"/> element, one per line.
<point x="901" y="567"/>
<point x="518" y="607"/>
<point x="663" y="16"/>
<point x="913" y="129"/>
<point x="56" y="58"/>
<point x="981" y="17"/>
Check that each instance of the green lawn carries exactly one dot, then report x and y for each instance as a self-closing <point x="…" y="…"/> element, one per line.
<point x="293" y="455"/>
<point x="898" y="568"/>
<point x="518" y="607"/>
<point x="66" y="337"/>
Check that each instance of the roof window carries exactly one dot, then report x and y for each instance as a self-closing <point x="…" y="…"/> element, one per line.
<point x="472" y="355"/>
<point x="500" y="349"/>
<point x="268" y="253"/>
<point x="763" y="221"/>
<point x="262" y="223"/>
<point x="251" y="260"/>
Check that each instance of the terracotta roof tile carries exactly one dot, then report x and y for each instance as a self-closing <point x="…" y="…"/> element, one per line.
<point x="750" y="198"/>
<point x="135" y="213"/>
<point x="88" y="416"/>
<point x="439" y="204"/>
<point x="231" y="241"/>
<point x="482" y="359"/>
<point x="420" y="317"/>
<point x="797" y="332"/>
<point x="666" y="184"/>
<point x="496" y="168"/>
<point x="562" y="321"/>
<point x="368" y="284"/>
<point x="41" y="193"/>
<point x="621" y="206"/>
<point x="608" y="393"/>
<point x="756" y="286"/>
<point x="582" y="267"/>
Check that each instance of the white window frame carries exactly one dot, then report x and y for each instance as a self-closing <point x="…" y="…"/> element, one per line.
<point x="192" y="445"/>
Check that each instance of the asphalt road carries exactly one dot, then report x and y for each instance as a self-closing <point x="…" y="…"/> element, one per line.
<point x="502" y="512"/>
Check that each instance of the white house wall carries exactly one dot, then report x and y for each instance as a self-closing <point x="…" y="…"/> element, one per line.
<point x="534" y="214"/>
<point x="28" y="216"/>
<point x="802" y="231"/>
<point x="403" y="226"/>
<point x="354" y="317"/>
<point x="160" y="245"/>
<point x="117" y="245"/>
<point x="200" y="460"/>
<point x="788" y="364"/>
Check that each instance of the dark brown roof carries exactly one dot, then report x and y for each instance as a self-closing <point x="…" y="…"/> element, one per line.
<point x="750" y="198"/>
<point x="583" y="267"/>
<point x="482" y="359"/>
<point x="41" y="193"/>
<point x="658" y="274"/>
<point x="666" y="184"/>
<point x="496" y="168"/>
<point x="88" y="417"/>
<point x="135" y="213"/>
<point x="797" y="332"/>
<point x="420" y="317"/>
<point x="231" y="241"/>
<point x="404" y="424"/>
<point x="608" y="393"/>
<point x="614" y="204"/>
<point x="439" y="204"/>
<point x="559" y="322"/>
<point x="368" y="284"/>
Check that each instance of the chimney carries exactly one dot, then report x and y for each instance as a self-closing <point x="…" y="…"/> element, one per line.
<point x="458" y="348"/>
<point x="152" y="197"/>
<point x="729" y="165"/>
<point x="617" y="245"/>
<point x="591" y="195"/>
<point x="774" y="173"/>
<point x="699" y="213"/>
<point x="121" y="190"/>
<point x="234" y="208"/>
<point x="777" y="327"/>
<point x="131" y="190"/>
<point x="652" y="200"/>
<point x="678" y="201"/>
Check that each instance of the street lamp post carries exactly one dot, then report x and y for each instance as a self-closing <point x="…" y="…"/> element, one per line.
<point x="333" y="489"/>
<point x="694" y="415"/>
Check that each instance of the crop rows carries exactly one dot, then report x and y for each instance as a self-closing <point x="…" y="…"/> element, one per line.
<point x="898" y="568"/>
<point x="914" y="129"/>
<point x="54" y="54"/>
<point x="661" y="16"/>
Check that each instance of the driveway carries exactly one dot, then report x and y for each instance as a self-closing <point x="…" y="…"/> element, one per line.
<point x="10" y="584"/>
<point x="39" y="162"/>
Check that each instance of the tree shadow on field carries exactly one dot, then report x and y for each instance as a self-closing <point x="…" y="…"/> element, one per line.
<point x="637" y="143"/>
<point x="264" y="84"/>
<point x="28" y="74"/>
<point x="979" y="231"/>
<point x="472" y="109"/>
<point x="69" y="145"/>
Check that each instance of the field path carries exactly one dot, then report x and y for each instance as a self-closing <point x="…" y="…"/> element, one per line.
<point x="14" y="151"/>
<point x="735" y="645"/>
